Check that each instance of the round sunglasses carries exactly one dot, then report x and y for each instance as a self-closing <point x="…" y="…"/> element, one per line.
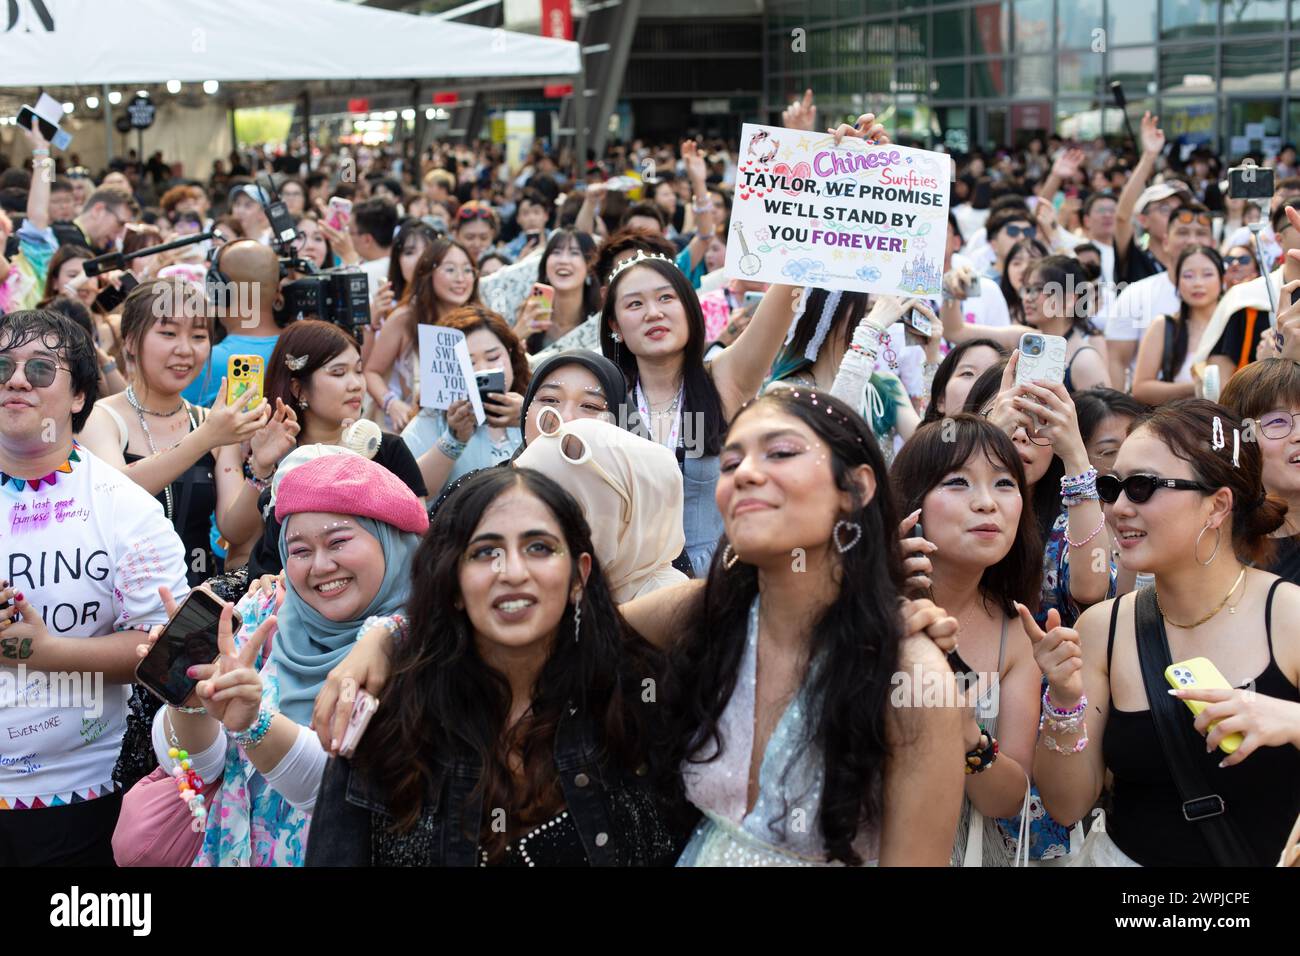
<point x="39" y="372"/>
<point x="1140" y="488"/>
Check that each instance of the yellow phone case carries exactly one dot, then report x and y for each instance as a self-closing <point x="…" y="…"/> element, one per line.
<point x="244" y="374"/>
<point x="1201" y="672"/>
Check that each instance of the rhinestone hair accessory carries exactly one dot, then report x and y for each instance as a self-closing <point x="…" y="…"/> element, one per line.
<point x="805" y="396"/>
<point x="641" y="256"/>
<point x="296" y="363"/>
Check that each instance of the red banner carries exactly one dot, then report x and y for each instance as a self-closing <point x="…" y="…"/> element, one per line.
<point x="557" y="23"/>
<point x="445" y="99"/>
<point x="360" y="105"/>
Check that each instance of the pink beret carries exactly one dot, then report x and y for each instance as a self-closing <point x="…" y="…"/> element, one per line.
<point x="351" y="485"/>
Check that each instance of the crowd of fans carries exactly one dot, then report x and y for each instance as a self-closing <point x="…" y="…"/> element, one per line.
<point x="675" y="597"/>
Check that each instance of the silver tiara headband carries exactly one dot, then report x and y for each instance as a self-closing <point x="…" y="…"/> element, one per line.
<point x="640" y="257"/>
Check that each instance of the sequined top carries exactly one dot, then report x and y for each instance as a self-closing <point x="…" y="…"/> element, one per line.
<point x="784" y="827"/>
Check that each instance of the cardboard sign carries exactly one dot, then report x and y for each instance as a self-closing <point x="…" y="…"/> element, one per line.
<point x="446" y="372"/>
<point x="856" y="217"/>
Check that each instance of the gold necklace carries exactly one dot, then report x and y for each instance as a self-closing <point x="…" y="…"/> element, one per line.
<point x="1217" y="609"/>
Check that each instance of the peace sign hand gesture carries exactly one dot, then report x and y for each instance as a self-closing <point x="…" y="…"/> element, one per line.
<point x="1058" y="654"/>
<point x="231" y="687"/>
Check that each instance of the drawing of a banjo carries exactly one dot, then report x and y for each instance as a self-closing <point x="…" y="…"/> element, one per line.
<point x="749" y="263"/>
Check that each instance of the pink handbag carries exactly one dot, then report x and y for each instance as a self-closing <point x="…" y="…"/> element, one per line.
<point x="155" y="827"/>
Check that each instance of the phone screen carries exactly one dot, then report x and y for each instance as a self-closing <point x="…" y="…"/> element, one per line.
<point x="190" y="638"/>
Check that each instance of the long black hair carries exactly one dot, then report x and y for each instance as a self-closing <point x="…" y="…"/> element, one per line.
<point x="855" y="641"/>
<point x="848" y="312"/>
<point x="943" y="374"/>
<point x="1067" y="274"/>
<point x="563" y="239"/>
<point x="444" y="701"/>
<point x="700" y="394"/>
<point x="1031" y="247"/>
<point x="411" y="229"/>
<point x="1171" y="360"/>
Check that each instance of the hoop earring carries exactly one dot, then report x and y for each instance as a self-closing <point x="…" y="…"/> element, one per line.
<point x="577" y="619"/>
<point x="1218" y="539"/>
<point x="729" y="557"/>
<point x="853" y="528"/>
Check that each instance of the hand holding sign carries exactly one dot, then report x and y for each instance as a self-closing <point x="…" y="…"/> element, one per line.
<point x="446" y="371"/>
<point x="844" y="210"/>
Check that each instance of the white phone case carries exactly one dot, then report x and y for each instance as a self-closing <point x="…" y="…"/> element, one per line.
<point x="1046" y="367"/>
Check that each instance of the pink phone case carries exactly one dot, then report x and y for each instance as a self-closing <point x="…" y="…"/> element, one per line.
<point x="362" y="710"/>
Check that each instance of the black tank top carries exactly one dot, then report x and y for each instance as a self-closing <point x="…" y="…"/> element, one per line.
<point x="1262" y="793"/>
<point x="194" y="497"/>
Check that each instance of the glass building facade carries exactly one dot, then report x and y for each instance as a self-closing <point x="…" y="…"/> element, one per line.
<point x="1223" y="74"/>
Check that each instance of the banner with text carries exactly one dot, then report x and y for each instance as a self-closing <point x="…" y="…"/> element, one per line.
<point x="856" y="217"/>
<point x="446" y="371"/>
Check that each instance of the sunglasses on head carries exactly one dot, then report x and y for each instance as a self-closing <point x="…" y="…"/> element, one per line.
<point x="40" y="372"/>
<point x="1140" y="488"/>
<point x="1187" y="216"/>
<point x="467" y="214"/>
<point x="1028" y="232"/>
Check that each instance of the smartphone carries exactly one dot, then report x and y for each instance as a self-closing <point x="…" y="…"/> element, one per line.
<point x="491" y="381"/>
<point x="1201" y="672"/>
<point x="544" y="292"/>
<point x="1250" y="182"/>
<point x="917" y="327"/>
<point x="113" y="296"/>
<point x="752" y="299"/>
<point x="340" y="213"/>
<point x="27" y="118"/>
<point x="189" y="638"/>
<point x="243" y="375"/>
<point x="363" y="708"/>
<point x="1042" y="359"/>
<point x="974" y="288"/>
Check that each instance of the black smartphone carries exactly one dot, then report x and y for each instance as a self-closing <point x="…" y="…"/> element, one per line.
<point x="113" y="296"/>
<point x="189" y="638"/>
<point x="489" y="382"/>
<point x="1250" y="182"/>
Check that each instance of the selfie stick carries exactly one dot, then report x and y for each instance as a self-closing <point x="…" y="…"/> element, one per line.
<point x="1117" y="91"/>
<point x="1255" y="229"/>
<point x="118" y="260"/>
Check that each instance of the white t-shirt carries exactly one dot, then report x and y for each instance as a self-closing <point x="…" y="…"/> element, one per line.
<point x="1139" y="304"/>
<point x="89" y="549"/>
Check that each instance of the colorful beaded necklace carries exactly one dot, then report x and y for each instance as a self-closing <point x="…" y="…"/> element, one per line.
<point x="35" y="483"/>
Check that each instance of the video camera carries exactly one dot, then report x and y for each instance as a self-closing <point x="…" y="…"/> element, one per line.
<point x="339" y="296"/>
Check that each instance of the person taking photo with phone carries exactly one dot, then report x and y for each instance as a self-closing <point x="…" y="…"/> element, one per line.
<point x="349" y="530"/>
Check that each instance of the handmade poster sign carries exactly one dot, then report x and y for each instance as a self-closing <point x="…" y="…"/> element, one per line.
<point x="446" y="372"/>
<point x="855" y="217"/>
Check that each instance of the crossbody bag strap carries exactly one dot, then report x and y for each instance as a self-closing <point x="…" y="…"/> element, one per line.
<point x="1181" y="748"/>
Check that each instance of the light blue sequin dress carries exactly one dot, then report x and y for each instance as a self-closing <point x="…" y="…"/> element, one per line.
<point x="783" y="828"/>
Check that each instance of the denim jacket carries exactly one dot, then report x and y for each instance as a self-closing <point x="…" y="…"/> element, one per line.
<point x="621" y="818"/>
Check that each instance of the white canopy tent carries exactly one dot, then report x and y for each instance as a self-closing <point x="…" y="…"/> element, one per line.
<point x="92" y="42"/>
<point x="259" y="51"/>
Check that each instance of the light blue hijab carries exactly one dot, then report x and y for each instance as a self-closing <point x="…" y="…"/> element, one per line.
<point x="308" y="645"/>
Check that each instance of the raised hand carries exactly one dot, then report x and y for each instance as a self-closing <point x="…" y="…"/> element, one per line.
<point x="866" y="128"/>
<point x="275" y="440"/>
<point x="1069" y="163"/>
<point x="1057" y="420"/>
<point x="801" y="114"/>
<point x="916" y="556"/>
<point x="1058" y="654"/>
<point x="234" y="424"/>
<point x="1152" y="136"/>
<point x="923" y="618"/>
<point x="365" y="668"/>
<point x="696" y="169"/>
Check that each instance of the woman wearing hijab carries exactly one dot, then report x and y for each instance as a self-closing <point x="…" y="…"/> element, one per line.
<point x="630" y="491"/>
<point x="349" y="529"/>
<point x="576" y="384"/>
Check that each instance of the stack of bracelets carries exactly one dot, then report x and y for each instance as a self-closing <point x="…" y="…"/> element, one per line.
<point x="1058" y="721"/>
<point x="450" y="445"/>
<point x="1077" y="490"/>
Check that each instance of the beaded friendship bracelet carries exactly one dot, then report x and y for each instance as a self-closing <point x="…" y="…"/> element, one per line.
<point x="254" y="735"/>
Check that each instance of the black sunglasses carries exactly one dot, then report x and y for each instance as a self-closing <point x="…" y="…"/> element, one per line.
<point x="1015" y="232"/>
<point x="1140" y="488"/>
<point x="1238" y="260"/>
<point x="39" y="372"/>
